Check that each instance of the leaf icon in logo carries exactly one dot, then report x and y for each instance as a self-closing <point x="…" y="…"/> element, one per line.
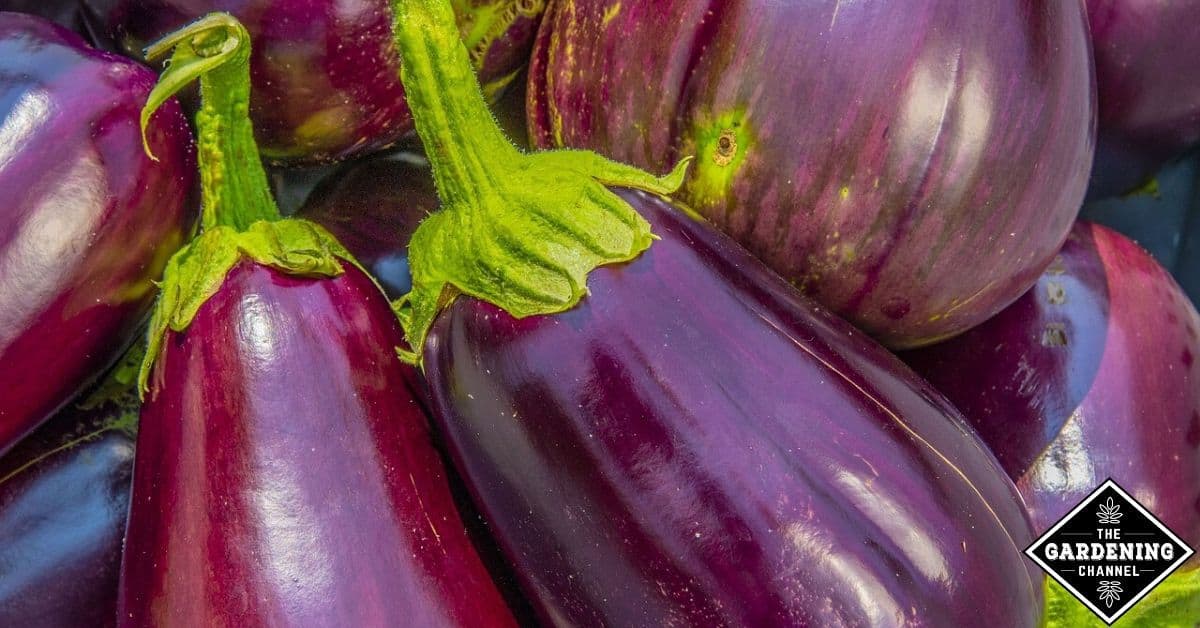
<point x="1109" y="591"/>
<point x="1109" y="512"/>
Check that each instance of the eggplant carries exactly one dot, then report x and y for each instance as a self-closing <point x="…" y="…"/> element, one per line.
<point x="1148" y="88"/>
<point x="63" y="12"/>
<point x="64" y="496"/>
<point x="324" y="71"/>
<point x="911" y="164"/>
<point x="1092" y="374"/>
<point x="667" y="433"/>
<point x="373" y="207"/>
<point x="88" y="220"/>
<point x="285" y="473"/>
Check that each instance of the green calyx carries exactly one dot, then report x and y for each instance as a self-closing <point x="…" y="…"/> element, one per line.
<point x="1174" y="603"/>
<point x="196" y="272"/>
<point x="240" y="220"/>
<point x="521" y="231"/>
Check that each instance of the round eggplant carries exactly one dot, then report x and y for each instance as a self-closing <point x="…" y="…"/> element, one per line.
<point x="88" y="220"/>
<point x="325" y="73"/>
<point x="1093" y="374"/>
<point x="1148" y="87"/>
<point x="64" y="498"/>
<point x="911" y="164"/>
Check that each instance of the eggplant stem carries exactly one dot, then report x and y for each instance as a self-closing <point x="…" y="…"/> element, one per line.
<point x="546" y="219"/>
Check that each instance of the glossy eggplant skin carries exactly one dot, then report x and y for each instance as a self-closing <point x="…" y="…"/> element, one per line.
<point x="285" y="476"/>
<point x="1148" y="88"/>
<point x="88" y="220"/>
<point x="373" y="207"/>
<point x="910" y="164"/>
<point x="64" y="497"/>
<point x="1090" y="375"/>
<point x="325" y="72"/>
<point x="697" y="444"/>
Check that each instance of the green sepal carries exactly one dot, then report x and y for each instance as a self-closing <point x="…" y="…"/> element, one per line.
<point x="528" y="242"/>
<point x="195" y="273"/>
<point x="1174" y="603"/>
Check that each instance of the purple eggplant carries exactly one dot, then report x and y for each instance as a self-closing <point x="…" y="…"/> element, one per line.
<point x="88" y="220"/>
<point x="911" y="164"/>
<point x="1092" y="374"/>
<point x="1148" y="87"/>
<point x="324" y="71"/>
<point x="64" y="497"/>
<point x="658" y="429"/>
<point x="285" y="472"/>
<point x="63" y="12"/>
<point x="373" y="207"/>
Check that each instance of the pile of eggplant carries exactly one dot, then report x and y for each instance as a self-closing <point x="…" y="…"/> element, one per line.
<point x="589" y="312"/>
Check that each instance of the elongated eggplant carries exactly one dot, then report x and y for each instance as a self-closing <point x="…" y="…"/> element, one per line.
<point x="1148" y="88"/>
<point x="324" y="71"/>
<point x="674" y="436"/>
<point x="64" y="497"/>
<point x="88" y="220"/>
<point x="285" y="474"/>
<point x="1092" y="374"/>
<point x="911" y="164"/>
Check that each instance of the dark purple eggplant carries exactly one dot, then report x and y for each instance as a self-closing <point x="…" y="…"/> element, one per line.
<point x="373" y="207"/>
<point x="324" y="71"/>
<point x="911" y="164"/>
<point x="285" y="472"/>
<point x="1093" y="374"/>
<point x="88" y="220"/>
<point x="63" y="12"/>
<point x="64" y="497"/>
<point x="666" y="433"/>
<point x="1148" y="87"/>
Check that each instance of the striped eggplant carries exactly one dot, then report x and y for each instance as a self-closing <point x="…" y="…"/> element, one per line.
<point x="324" y="71"/>
<point x="285" y="472"/>
<point x="88" y="220"/>
<point x="1095" y="373"/>
<point x="911" y="164"/>
<point x="64" y="497"/>
<point x="657" y="428"/>
<point x="1148" y="88"/>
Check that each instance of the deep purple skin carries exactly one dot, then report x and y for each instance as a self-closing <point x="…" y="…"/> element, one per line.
<point x="372" y="208"/>
<point x="1120" y="399"/>
<point x="325" y="73"/>
<point x="1148" y="86"/>
<point x="696" y="444"/>
<point x="88" y="220"/>
<point x="64" y="12"/>
<point x="285" y="476"/>
<point x="911" y="164"/>
<point x="64" y="496"/>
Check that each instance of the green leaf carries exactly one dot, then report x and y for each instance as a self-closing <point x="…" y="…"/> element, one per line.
<point x="1174" y="603"/>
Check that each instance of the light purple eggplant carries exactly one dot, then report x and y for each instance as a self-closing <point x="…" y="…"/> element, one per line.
<point x="911" y="164"/>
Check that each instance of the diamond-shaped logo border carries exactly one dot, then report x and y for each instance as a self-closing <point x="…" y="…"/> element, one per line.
<point x="1108" y="618"/>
